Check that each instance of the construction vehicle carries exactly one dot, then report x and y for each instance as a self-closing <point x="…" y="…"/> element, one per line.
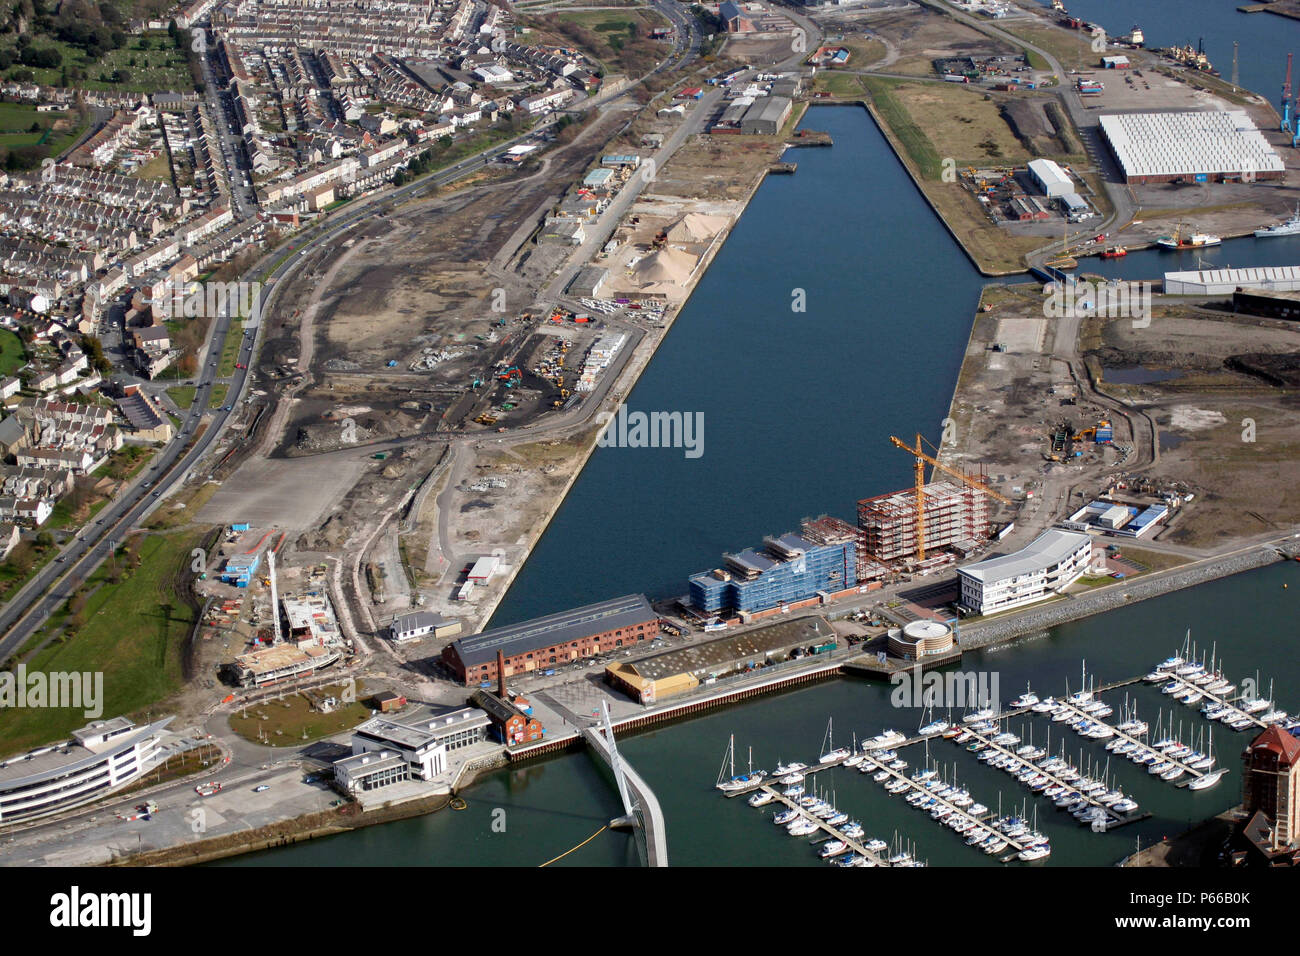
<point x="1103" y="425"/>
<point x="921" y="460"/>
<point x="486" y="419"/>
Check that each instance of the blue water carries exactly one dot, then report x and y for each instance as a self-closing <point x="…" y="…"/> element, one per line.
<point x="1264" y="39"/>
<point x="798" y="407"/>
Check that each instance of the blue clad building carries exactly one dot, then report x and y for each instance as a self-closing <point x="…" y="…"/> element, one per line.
<point x="784" y="570"/>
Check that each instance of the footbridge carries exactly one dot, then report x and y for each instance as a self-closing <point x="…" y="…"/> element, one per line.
<point x="640" y="806"/>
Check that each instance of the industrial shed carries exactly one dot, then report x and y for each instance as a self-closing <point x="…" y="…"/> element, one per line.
<point x="1193" y="145"/>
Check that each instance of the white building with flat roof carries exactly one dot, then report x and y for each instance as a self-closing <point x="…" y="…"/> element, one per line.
<point x="1051" y="562"/>
<point x="100" y="758"/>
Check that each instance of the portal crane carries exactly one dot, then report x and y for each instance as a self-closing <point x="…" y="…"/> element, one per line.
<point x="921" y="460"/>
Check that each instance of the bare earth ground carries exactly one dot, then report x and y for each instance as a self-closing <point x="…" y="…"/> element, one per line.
<point x="1007" y="405"/>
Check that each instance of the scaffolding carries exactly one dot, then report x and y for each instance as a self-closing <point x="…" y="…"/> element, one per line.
<point x="956" y="516"/>
<point x="828" y="530"/>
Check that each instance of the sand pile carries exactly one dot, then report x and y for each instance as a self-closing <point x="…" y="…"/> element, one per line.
<point x="696" y="227"/>
<point x="665" y="267"/>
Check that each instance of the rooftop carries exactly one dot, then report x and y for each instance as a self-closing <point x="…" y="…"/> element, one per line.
<point x="725" y="652"/>
<point x="627" y="611"/>
<point x="1051" y="547"/>
<point x="1189" y="142"/>
<point x="70" y="755"/>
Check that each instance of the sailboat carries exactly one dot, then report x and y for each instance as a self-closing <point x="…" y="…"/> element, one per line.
<point x="832" y="755"/>
<point x="727" y="779"/>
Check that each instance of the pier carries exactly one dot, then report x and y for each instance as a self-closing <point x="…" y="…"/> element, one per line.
<point x="1113" y="817"/>
<point x="1128" y="738"/>
<point x="1212" y="697"/>
<point x="980" y="821"/>
<point x="834" y="832"/>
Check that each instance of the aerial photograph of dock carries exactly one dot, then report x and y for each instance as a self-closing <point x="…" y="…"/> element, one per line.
<point x="643" y="433"/>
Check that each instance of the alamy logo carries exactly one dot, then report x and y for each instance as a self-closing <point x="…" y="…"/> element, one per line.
<point x="1112" y="300"/>
<point x="626" y="429"/>
<point x="21" y="688"/>
<point x="957" y="689"/>
<point x="76" y="909"/>
<point x="211" y="300"/>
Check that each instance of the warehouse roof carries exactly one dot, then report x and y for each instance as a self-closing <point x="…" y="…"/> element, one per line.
<point x="1049" y="548"/>
<point x="554" y="629"/>
<point x="1049" y="173"/>
<point x="720" y="654"/>
<point x="769" y="108"/>
<point x="1188" y="143"/>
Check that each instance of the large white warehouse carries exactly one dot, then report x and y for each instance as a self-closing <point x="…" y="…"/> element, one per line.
<point x="1228" y="281"/>
<point x="1199" y="145"/>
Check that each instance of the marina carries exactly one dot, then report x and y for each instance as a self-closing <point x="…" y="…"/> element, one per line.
<point x="1092" y="797"/>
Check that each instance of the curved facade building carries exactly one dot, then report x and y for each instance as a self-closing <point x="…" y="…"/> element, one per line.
<point x="920" y="639"/>
<point x="101" y="757"/>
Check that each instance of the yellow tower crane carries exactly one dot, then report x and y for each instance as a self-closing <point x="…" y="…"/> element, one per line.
<point x="921" y="460"/>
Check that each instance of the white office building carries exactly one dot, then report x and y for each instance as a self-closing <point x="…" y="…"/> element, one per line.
<point x="421" y="740"/>
<point x="101" y="757"/>
<point x="1054" y="560"/>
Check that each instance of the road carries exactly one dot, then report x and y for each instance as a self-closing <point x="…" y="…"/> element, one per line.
<point x="55" y="583"/>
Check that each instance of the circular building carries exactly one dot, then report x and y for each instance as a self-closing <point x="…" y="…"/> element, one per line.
<point x="920" y="639"/>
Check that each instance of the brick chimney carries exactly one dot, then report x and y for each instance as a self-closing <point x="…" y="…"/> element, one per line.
<point x="501" y="675"/>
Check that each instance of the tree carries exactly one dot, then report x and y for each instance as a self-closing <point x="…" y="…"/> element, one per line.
<point x="121" y="76"/>
<point x="44" y="540"/>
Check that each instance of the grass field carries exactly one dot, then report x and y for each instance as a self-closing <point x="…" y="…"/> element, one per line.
<point x="838" y="84"/>
<point x="159" y="168"/>
<point x="916" y="143"/>
<point x="230" y="351"/>
<point x="182" y="395"/>
<point x="132" y="634"/>
<point x="12" y="354"/>
<point x="218" y="397"/>
<point x="16" y="121"/>
<point x="961" y="123"/>
<point x="291" y="720"/>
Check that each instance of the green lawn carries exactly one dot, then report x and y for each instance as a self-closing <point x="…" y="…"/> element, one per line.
<point x="218" y="395"/>
<point x="12" y="354"/>
<point x="133" y="633"/>
<point x="16" y="120"/>
<point x="290" y="721"/>
<point x="182" y="395"/>
<point x="230" y="352"/>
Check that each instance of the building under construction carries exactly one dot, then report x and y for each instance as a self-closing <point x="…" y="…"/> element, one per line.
<point x="956" y="522"/>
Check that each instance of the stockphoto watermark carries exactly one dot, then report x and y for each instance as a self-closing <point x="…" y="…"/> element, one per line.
<point x="210" y="300"/>
<point x="960" y="690"/>
<point x="1111" y="300"/>
<point x="83" y="690"/>
<point x="626" y="429"/>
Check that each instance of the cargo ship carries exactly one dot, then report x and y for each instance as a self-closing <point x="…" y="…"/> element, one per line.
<point x="1181" y="240"/>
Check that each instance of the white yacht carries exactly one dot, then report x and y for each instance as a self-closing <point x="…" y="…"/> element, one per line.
<point x="1208" y="780"/>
